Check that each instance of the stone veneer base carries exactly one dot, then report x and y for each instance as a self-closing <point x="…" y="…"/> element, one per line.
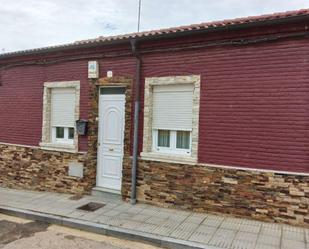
<point x="36" y="169"/>
<point x="259" y="195"/>
<point x="268" y="196"/>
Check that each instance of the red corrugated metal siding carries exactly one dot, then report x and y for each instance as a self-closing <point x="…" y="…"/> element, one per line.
<point x="21" y="96"/>
<point x="20" y="105"/>
<point x="254" y="100"/>
<point x="21" y="100"/>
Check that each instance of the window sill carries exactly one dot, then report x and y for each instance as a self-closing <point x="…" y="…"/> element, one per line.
<point x="161" y="157"/>
<point x="59" y="147"/>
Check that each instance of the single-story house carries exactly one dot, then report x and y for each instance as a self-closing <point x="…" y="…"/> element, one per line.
<point x="209" y="117"/>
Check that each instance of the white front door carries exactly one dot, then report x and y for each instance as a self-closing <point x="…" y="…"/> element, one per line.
<point x="111" y="137"/>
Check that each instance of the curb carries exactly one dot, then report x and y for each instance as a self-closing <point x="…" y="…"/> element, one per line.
<point x="123" y="233"/>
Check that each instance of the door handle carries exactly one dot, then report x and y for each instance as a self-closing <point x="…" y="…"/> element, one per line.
<point x="111" y="149"/>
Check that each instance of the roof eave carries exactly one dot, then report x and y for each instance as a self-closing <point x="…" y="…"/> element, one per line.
<point x="231" y="27"/>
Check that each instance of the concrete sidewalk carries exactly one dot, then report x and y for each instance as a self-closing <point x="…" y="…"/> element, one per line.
<point x="164" y="227"/>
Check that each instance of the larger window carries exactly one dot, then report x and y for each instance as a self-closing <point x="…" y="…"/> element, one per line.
<point x="171" y="111"/>
<point x="172" y="118"/>
<point x="60" y="111"/>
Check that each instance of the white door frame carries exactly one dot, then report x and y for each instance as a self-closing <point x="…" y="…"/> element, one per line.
<point x="104" y="153"/>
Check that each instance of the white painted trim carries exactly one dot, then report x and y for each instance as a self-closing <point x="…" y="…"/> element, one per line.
<point x="253" y="169"/>
<point x="40" y="147"/>
<point x="58" y="147"/>
<point x="64" y="140"/>
<point x="156" y="157"/>
<point x="173" y="141"/>
<point x="169" y="158"/>
<point x="21" y="145"/>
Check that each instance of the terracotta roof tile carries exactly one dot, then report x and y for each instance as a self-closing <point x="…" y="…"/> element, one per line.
<point x="205" y="25"/>
<point x="153" y="33"/>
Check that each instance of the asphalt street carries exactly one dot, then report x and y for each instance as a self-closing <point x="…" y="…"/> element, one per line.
<point x="16" y="233"/>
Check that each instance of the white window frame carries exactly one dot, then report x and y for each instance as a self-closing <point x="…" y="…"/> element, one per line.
<point x="66" y="139"/>
<point x="173" y="142"/>
<point x="49" y="141"/>
<point x="149" y="150"/>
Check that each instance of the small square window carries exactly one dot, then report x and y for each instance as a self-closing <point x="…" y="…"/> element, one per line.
<point x="59" y="132"/>
<point x="183" y="140"/>
<point x="63" y="135"/>
<point x="71" y="133"/>
<point x="163" y="138"/>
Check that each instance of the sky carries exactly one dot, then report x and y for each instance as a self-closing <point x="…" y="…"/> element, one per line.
<point x="26" y="24"/>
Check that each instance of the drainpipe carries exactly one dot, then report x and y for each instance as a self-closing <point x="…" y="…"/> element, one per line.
<point x="136" y="119"/>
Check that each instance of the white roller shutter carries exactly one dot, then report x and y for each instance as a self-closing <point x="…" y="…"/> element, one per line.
<point x="172" y="107"/>
<point x="63" y="107"/>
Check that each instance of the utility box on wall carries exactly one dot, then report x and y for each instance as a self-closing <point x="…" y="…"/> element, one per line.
<point x="93" y="69"/>
<point x="76" y="169"/>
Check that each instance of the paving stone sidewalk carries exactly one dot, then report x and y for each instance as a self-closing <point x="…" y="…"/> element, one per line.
<point x="197" y="229"/>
